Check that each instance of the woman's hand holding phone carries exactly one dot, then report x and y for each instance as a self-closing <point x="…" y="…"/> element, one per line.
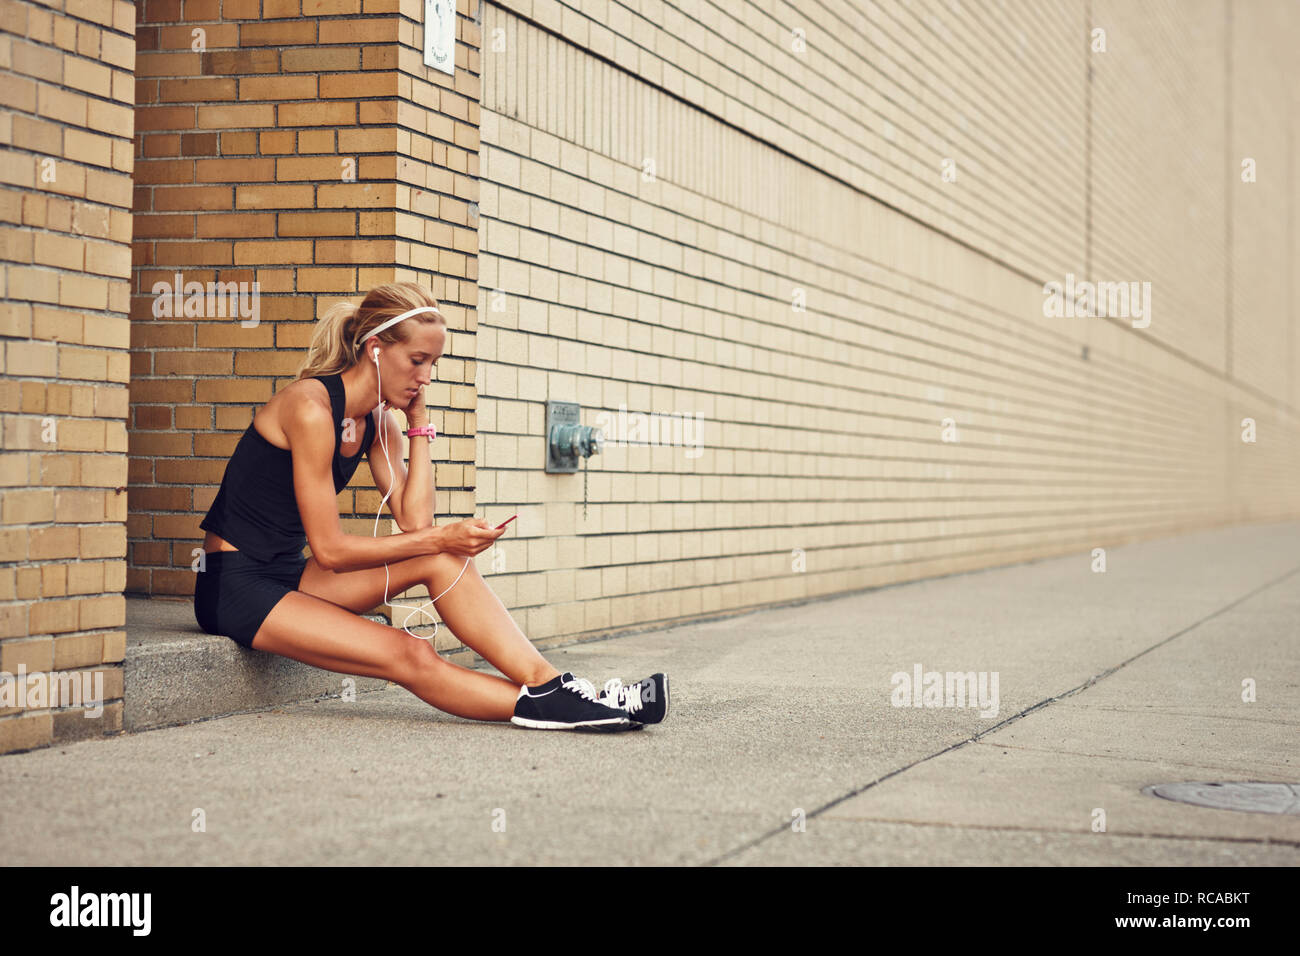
<point x="469" y="537"/>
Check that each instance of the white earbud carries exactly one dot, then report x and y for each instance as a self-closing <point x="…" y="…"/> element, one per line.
<point x="375" y="353"/>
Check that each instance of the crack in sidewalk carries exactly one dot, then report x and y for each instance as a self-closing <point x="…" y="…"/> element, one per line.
<point x="1110" y="834"/>
<point x="1153" y="760"/>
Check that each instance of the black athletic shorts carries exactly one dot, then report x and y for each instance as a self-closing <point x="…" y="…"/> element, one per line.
<point x="234" y="593"/>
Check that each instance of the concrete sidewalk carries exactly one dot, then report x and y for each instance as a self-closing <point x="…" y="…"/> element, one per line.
<point x="1107" y="682"/>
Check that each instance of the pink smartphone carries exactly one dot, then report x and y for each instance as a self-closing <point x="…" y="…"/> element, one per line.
<point x="506" y="522"/>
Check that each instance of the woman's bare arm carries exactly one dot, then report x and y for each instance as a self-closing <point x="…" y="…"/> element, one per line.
<point x="309" y="426"/>
<point x="412" y="497"/>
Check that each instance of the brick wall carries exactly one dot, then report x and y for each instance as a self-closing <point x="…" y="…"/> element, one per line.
<point x="819" y="174"/>
<point x="65" y="213"/>
<point x="308" y="149"/>
<point x="830" y="256"/>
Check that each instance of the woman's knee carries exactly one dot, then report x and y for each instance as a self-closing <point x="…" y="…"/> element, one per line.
<point x="445" y="562"/>
<point x="445" y="568"/>
<point x="417" y="662"/>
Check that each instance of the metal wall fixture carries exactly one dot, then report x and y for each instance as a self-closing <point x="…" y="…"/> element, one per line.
<point x="566" y="441"/>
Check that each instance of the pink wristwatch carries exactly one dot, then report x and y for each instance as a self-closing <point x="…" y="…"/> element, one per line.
<point x="422" y="430"/>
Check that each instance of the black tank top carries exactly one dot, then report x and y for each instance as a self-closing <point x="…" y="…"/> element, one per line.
<point x="255" y="508"/>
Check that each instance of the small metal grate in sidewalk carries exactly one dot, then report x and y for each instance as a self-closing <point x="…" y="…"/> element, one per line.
<point x="1248" y="797"/>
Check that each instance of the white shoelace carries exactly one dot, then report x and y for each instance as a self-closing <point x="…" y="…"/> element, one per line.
<point x="629" y="698"/>
<point x="584" y="687"/>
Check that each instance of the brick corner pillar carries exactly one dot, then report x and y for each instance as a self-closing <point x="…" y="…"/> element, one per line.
<point x="290" y="153"/>
<point x="65" y="266"/>
<point x="437" y="171"/>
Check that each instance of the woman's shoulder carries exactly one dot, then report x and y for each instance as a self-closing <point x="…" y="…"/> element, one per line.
<point x="300" y="394"/>
<point x="302" y="400"/>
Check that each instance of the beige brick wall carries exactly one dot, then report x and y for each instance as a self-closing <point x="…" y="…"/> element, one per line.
<point x="65" y="214"/>
<point x="658" y="188"/>
<point x="306" y="147"/>
<point x="820" y="174"/>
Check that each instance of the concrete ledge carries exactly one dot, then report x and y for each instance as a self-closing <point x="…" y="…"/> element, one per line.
<point x="175" y="673"/>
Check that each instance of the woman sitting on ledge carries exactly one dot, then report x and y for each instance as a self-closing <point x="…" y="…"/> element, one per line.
<point x="279" y="492"/>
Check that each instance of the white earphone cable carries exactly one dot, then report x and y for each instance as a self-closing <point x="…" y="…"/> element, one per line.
<point x="383" y="444"/>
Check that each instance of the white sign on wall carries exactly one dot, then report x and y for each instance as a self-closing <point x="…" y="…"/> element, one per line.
<point x="440" y="35"/>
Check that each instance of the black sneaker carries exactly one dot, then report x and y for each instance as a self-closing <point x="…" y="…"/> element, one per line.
<point x="646" y="701"/>
<point x="566" y="703"/>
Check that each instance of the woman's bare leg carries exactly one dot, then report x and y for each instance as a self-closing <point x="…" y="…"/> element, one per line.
<point x="325" y="635"/>
<point x="471" y="609"/>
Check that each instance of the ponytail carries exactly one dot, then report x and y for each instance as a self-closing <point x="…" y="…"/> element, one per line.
<point x="333" y="344"/>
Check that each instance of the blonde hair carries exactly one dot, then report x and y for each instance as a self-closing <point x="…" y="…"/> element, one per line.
<point x="336" y="342"/>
